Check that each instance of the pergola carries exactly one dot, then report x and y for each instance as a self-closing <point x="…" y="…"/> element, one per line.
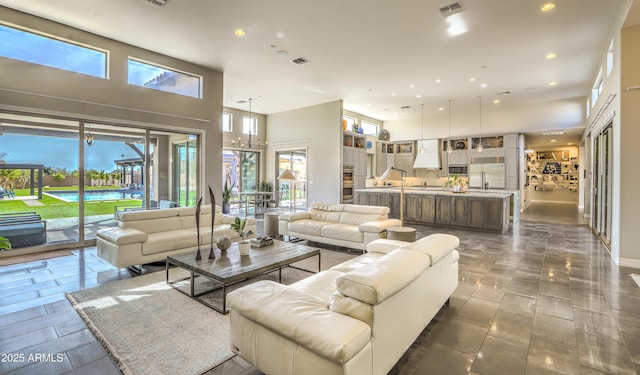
<point x="32" y="168"/>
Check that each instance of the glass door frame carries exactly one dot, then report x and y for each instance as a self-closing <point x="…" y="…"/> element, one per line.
<point x="603" y="183"/>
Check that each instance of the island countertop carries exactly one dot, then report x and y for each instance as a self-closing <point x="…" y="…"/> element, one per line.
<point x="439" y="191"/>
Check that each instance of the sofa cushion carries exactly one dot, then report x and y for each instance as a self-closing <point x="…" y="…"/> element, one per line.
<point x="356" y="262"/>
<point x="120" y="236"/>
<point x="308" y="226"/>
<point x="353" y="218"/>
<point x="343" y="232"/>
<point x="300" y="317"/>
<point x="126" y="216"/>
<point x="162" y="224"/>
<point x="351" y="307"/>
<point x="367" y="210"/>
<point x="320" y="215"/>
<point x="169" y="241"/>
<point x="381" y="279"/>
<point x="436" y="246"/>
<point x="384" y="246"/>
<point x="321" y="285"/>
<point x="338" y="207"/>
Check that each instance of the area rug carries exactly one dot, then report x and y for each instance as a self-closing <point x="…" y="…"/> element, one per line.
<point x="150" y="328"/>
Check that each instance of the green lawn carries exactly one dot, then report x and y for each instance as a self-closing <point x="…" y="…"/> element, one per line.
<point x="55" y="208"/>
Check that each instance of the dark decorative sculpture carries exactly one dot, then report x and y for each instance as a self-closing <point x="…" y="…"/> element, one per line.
<point x="212" y="255"/>
<point x="198" y="256"/>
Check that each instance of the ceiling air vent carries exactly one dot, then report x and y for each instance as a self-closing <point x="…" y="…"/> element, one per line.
<point x="405" y="107"/>
<point x="450" y="9"/>
<point x="158" y="2"/>
<point x="300" y="61"/>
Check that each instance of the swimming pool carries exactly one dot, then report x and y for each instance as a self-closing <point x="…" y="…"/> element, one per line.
<point x="94" y="195"/>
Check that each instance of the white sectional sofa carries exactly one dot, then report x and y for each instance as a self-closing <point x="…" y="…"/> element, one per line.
<point x="150" y="236"/>
<point x="358" y="317"/>
<point x="346" y="225"/>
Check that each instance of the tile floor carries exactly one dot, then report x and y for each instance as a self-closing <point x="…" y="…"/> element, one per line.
<point x="543" y="299"/>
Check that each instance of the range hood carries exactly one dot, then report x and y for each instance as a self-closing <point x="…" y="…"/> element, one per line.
<point x="430" y="159"/>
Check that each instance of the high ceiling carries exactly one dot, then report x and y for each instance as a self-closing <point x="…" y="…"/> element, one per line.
<point x="377" y="56"/>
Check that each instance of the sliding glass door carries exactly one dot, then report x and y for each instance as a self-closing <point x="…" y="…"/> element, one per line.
<point x="293" y="194"/>
<point x="69" y="177"/>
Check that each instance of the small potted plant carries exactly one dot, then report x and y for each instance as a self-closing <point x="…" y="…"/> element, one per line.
<point x="5" y="244"/>
<point x="240" y="226"/>
<point x="455" y="182"/>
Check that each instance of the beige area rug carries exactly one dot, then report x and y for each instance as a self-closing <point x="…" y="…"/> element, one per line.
<point x="9" y="260"/>
<point x="150" y="328"/>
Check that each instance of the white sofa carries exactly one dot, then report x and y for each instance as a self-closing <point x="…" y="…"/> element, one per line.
<point x="358" y="317"/>
<point x="150" y="236"/>
<point x="346" y="225"/>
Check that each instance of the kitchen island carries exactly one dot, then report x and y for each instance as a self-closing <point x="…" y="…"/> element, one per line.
<point x="474" y="209"/>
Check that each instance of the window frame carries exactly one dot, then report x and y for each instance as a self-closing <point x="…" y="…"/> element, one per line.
<point x="37" y="33"/>
<point x="229" y="128"/>
<point x="251" y="123"/>
<point x="160" y="66"/>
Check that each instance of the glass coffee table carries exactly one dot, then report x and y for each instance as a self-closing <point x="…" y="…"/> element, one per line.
<point x="231" y="268"/>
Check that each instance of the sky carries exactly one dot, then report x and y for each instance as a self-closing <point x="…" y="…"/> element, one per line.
<point x="62" y="152"/>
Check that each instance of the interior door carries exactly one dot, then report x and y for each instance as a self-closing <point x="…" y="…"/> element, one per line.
<point x="603" y="165"/>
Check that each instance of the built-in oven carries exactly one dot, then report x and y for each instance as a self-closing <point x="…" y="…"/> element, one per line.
<point x="458" y="169"/>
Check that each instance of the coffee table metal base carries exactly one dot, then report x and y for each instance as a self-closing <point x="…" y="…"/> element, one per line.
<point x="193" y="274"/>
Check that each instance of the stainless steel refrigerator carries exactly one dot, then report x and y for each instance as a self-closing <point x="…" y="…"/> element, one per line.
<point x="491" y="176"/>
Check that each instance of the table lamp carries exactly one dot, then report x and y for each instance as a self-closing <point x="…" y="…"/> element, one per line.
<point x="396" y="174"/>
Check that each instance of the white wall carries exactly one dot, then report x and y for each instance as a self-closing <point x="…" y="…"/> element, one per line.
<point x="318" y="129"/>
<point x="496" y="120"/>
<point x="629" y="151"/>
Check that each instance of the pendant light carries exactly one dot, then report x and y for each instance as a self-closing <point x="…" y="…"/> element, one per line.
<point x="89" y="138"/>
<point x="422" y="130"/>
<point x="250" y="123"/>
<point x="449" y="149"/>
<point x="479" y="148"/>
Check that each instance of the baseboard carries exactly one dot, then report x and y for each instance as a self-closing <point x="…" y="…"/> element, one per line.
<point x="627" y="262"/>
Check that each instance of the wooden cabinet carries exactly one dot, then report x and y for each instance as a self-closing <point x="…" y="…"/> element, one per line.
<point x="419" y="208"/>
<point x="494" y="217"/>
<point x="391" y="200"/>
<point x="475" y="212"/>
<point x="443" y="210"/>
<point x="459" y="211"/>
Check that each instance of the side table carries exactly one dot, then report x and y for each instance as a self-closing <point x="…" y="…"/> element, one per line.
<point x="401" y="234"/>
<point x="271" y="224"/>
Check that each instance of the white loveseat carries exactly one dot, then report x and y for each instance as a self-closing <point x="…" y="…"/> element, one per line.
<point x="150" y="236"/>
<point x="346" y="225"/>
<point x="358" y="317"/>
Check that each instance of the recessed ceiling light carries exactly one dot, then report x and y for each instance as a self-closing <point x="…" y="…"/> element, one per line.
<point x="552" y="141"/>
<point x="412" y="85"/>
<point x="472" y="79"/>
<point x="419" y="96"/>
<point x="441" y="109"/>
<point x="240" y="32"/>
<point x="570" y="144"/>
<point x="393" y="94"/>
<point x="282" y="53"/>
<point x="547" y="6"/>
<point x="552" y="133"/>
<point x="483" y="85"/>
<point x="496" y="101"/>
<point x="551" y="55"/>
<point x="553" y="83"/>
<point x="438" y="80"/>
